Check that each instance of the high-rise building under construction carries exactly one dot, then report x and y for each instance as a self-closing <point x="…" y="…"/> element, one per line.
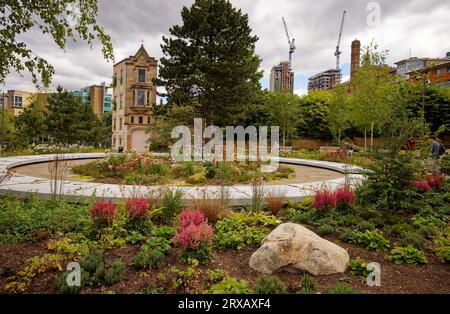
<point x="282" y="78"/>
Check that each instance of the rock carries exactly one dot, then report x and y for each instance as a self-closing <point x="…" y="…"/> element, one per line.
<point x="292" y="247"/>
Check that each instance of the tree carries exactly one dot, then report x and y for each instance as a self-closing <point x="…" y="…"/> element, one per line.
<point x="339" y="113"/>
<point x="9" y="125"/>
<point x="70" y="121"/>
<point x="211" y="58"/>
<point x="31" y="123"/>
<point x="283" y="111"/>
<point x="62" y="19"/>
<point x="314" y="109"/>
<point x="371" y="100"/>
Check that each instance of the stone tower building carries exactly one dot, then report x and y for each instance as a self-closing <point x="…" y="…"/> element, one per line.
<point x="134" y="96"/>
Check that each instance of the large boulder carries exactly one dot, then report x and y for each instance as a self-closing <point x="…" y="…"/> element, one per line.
<point x="292" y="247"/>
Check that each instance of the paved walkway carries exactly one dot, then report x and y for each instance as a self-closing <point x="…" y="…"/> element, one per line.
<point x="239" y="194"/>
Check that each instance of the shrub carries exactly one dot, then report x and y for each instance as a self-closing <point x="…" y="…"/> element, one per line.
<point x="414" y="238"/>
<point x="307" y="285"/>
<point x="215" y="275"/>
<point x="230" y="285"/>
<point x="372" y="240"/>
<point x="137" y="208"/>
<point x="114" y="272"/>
<point x="194" y="235"/>
<point x="275" y="201"/>
<point x="407" y="254"/>
<point x="103" y="212"/>
<point x="152" y="252"/>
<point x="324" y="200"/>
<point x="350" y="235"/>
<point x="422" y="186"/>
<point x="444" y="164"/>
<point x="326" y="229"/>
<point x="399" y="229"/>
<point x="266" y="284"/>
<point x="345" y="199"/>
<point x="243" y="229"/>
<point x="148" y="258"/>
<point x="64" y="288"/>
<point x="92" y="262"/>
<point x="341" y="288"/>
<point x="213" y="209"/>
<point x="365" y="225"/>
<point x="171" y="204"/>
<point x="442" y="249"/>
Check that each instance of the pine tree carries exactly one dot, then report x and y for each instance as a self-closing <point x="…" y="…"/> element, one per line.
<point x="211" y="59"/>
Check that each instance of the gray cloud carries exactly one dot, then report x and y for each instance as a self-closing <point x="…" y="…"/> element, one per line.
<point x="421" y="26"/>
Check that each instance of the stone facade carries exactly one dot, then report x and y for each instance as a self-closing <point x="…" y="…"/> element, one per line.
<point x="134" y="97"/>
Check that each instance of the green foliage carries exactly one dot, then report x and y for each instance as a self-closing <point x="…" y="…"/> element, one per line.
<point x="55" y="18"/>
<point x="70" y="121"/>
<point x="215" y="275"/>
<point x="372" y="240"/>
<point x="242" y="229"/>
<point x="349" y="235"/>
<point x="135" y="237"/>
<point x="326" y="229"/>
<point x="314" y="109"/>
<point x="407" y="255"/>
<point x="358" y="267"/>
<point x="92" y="262"/>
<point x="266" y="284"/>
<point x="388" y="183"/>
<point x="217" y="85"/>
<point x="31" y="219"/>
<point x="444" y="164"/>
<point x="171" y="204"/>
<point x="31" y="123"/>
<point x="341" y="288"/>
<point x="442" y="248"/>
<point x="9" y="126"/>
<point x="307" y="285"/>
<point x="152" y="252"/>
<point x="202" y="254"/>
<point x="230" y="285"/>
<point x="114" y="272"/>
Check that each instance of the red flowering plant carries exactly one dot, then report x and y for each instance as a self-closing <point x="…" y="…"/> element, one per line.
<point x="103" y="213"/>
<point x="345" y="199"/>
<point x="435" y="180"/>
<point x="137" y="210"/>
<point x="194" y="235"/>
<point x="421" y="186"/>
<point x="324" y="200"/>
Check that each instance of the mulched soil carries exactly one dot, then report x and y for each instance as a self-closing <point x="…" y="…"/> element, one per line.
<point x="433" y="277"/>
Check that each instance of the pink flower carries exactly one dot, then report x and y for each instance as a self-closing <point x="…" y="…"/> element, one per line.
<point x="422" y="186"/>
<point x="137" y="207"/>
<point x="436" y="180"/>
<point x="103" y="211"/>
<point x="193" y="230"/>
<point x="324" y="200"/>
<point x="344" y="197"/>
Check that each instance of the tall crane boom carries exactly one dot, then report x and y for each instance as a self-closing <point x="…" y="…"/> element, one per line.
<point x="291" y="44"/>
<point x="338" y="52"/>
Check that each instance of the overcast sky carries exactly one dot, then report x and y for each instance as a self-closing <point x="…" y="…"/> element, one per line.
<point x="416" y="27"/>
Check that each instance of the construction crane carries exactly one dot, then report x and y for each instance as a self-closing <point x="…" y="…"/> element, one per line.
<point x="338" y="52"/>
<point x="291" y="44"/>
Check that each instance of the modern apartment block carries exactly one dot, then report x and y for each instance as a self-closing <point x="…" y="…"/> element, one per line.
<point x="134" y="96"/>
<point x="97" y="97"/>
<point x="282" y="78"/>
<point x="324" y="80"/>
<point x="404" y="67"/>
<point x="438" y="74"/>
<point x="16" y="101"/>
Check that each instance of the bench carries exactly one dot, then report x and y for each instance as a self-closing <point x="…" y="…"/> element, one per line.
<point x="329" y="149"/>
<point x="285" y="148"/>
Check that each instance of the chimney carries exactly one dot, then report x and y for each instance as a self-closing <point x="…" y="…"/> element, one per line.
<point x="356" y="57"/>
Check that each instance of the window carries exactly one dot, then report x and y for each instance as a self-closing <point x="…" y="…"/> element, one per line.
<point x="441" y="71"/>
<point x="140" y="98"/>
<point x="115" y="102"/>
<point x="148" y="120"/>
<point x="120" y="141"/>
<point x="121" y="77"/>
<point x="141" y="75"/>
<point x="120" y="124"/>
<point x="121" y="102"/>
<point x="140" y="120"/>
<point x="114" y="123"/>
<point x="114" y="142"/>
<point x="148" y="97"/>
<point x="132" y="119"/>
<point x="18" y="101"/>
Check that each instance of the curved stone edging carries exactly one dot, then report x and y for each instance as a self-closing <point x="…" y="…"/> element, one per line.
<point x="238" y="194"/>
